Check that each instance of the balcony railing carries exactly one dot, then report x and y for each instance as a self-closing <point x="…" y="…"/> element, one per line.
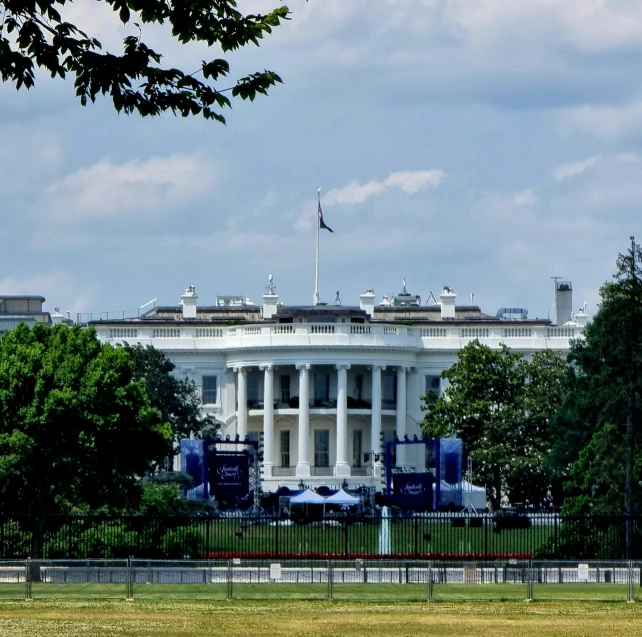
<point x="450" y="336"/>
<point x="314" y="403"/>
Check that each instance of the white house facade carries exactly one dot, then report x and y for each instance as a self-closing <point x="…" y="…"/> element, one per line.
<point x="323" y="387"/>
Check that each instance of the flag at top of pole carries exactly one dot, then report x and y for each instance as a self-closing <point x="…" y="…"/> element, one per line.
<point x="320" y="224"/>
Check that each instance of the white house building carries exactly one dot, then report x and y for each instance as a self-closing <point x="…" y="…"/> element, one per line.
<point x="323" y="386"/>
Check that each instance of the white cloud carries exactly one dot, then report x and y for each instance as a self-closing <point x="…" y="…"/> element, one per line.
<point x="55" y="286"/>
<point x="107" y="190"/>
<point x="410" y="182"/>
<point x="575" y="168"/>
<point x="605" y="122"/>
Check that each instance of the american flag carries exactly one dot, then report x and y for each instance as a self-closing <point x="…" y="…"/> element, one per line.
<point x="321" y="222"/>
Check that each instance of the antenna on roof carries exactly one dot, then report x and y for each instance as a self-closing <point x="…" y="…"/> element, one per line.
<point x="431" y="296"/>
<point x="337" y="299"/>
<point x="404" y="286"/>
<point x="472" y="298"/>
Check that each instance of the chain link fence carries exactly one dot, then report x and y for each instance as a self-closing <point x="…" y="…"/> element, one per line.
<point x="254" y="579"/>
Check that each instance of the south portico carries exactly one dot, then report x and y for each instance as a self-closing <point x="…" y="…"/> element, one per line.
<point x="319" y="420"/>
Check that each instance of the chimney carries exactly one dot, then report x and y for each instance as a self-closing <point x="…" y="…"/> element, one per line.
<point x="581" y="317"/>
<point x="367" y="302"/>
<point x="563" y="302"/>
<point x="270" y="299"/>
<point x="447" y="299"/>
<point x="188" y="301"/>
<point x="57" y="317"/>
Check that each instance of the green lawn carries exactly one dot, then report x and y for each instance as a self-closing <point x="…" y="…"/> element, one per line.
<point x="316" y="619"/>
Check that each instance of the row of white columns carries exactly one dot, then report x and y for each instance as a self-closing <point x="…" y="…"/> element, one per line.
<point x="342" y="466"/>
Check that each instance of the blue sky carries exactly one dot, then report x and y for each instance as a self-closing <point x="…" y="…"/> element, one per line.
<point x="482" y="144"/>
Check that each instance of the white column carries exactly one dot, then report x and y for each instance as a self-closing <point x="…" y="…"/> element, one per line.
<point x="241" y="402"/>
<point x="375" y="427"/>
<point x="268" y="420"/>
<point x="342" y="467"/>
<point x="303" y="464"/>
<point x="401" y="414"/>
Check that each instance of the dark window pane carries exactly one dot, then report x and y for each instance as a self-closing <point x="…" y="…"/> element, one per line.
<point x="285" y="448"/>
<point x="321" y="447"/>
<point x="209" y="393"/>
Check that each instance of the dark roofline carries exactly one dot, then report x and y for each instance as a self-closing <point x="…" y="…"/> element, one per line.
<point x="320" y="310"/>
<point x="22" y="297"/>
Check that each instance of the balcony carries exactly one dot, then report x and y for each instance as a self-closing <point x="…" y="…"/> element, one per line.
<point x="322" y="407"/>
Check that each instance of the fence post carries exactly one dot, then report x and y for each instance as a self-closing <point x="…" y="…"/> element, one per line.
<point x="330" y="580"/>
<point x="346" y="549"/>
<point x="630" y="597"/>
<point x="430" y="592"/>
<point x="129" y="581"/>
<point x="230" y="591"/>
<point x="207" y="537"/>
<point x="28" y="579"/>
<point x="276" y="538"/>
<point x="486" y="536"/>
<point x="529" y="584"/>
<point x="415" y="522"/>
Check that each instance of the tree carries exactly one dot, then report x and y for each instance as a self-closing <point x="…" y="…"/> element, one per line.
<point x="603" y="404"/>
<point x="75" y="428"/>
<point x="177" y="399"/>
<point x="36" y="35"/>
<point x="500" y="405"/>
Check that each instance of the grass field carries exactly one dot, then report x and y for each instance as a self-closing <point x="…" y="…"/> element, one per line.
<point x="339" y="592"/>
<point x="312" y="619"/>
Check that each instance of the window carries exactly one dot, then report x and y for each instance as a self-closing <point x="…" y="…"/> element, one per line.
<point x="321" y="388"/>
<point x="252" y="390"/>
<point x="285" y="447"/>
<point x="356" y="447"/>
<point x="389" y="390"/>
<point x="433" y="384"/>
<point x="209" y="390"/>
<point x="358" y="386"/>
<point x="285" y="390"/>
<point x="321" y="447"/>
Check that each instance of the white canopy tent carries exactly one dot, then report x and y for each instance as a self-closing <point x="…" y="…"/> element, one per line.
<point x="308" y="497"/>
<point x="343" y="498"/>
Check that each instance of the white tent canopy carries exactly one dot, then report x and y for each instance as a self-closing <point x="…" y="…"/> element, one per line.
<point x="341" y="497"/>
<point x="308" y="497"/>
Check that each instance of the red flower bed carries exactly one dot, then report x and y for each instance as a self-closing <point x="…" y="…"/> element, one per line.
<point x="228" y="555"/>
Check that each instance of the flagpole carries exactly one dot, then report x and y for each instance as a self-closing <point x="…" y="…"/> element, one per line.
<point x="316" y="285"/>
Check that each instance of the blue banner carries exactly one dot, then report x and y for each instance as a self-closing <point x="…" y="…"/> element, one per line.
<point x="413" y="491"/>
<point x="229" y="477"/>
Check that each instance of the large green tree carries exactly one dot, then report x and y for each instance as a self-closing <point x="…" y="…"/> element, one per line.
<point x="499" y="404"/>
<point x="75" y="428"/>
<point x="598" y="428"/>
<point x="178" y="399"/>
<point x="38" y="35"/>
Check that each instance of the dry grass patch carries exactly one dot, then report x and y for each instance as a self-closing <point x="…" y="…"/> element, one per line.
<point x="312" y="619"/>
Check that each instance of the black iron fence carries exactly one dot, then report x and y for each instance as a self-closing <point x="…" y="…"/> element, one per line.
<point x="426" y="536"/>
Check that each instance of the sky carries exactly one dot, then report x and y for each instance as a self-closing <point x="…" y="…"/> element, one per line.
<point x="486" y="145"/>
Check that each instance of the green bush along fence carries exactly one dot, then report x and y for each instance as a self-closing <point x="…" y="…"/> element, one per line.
<point x="432" y="536"/>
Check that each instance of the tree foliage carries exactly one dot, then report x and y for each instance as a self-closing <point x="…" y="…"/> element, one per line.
<point x="75" y="428"/>
<point x="177" y="399"/>
<point x="597" y="431"/>
<point x="500" y="405"/>
<point x="36" y="35"/>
